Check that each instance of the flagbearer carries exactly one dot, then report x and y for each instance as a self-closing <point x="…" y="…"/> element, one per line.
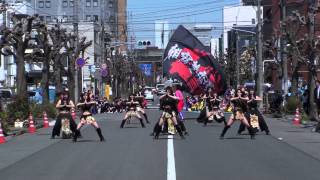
<point x="178" y="93"/>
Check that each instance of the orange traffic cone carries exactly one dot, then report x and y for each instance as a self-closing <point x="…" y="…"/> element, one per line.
<point x="45" y="120"/>
<point x="73" y="114"/>
<point x="32" y="128"/>
<point x="296" y="120"/>
<point x="2" y="138"/>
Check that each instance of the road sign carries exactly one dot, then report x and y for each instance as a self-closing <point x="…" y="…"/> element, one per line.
<point x="80" y="62"/>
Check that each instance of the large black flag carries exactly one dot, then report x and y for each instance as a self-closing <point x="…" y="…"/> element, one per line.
<point x="187" y="59"/>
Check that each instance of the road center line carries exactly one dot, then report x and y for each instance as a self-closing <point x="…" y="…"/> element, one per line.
<point x="171" y="165"/>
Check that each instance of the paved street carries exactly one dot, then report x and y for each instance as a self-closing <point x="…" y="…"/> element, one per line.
<point x="130" y="153"/>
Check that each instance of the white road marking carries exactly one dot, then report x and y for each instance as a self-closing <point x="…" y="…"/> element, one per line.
<point x="171" y="165"/>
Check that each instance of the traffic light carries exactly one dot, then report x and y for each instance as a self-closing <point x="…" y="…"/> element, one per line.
<point x="144" y="43"/>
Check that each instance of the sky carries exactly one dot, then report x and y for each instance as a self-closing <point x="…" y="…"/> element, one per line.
<point x="143" y="13"/>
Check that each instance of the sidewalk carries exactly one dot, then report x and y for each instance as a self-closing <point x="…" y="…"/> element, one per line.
<point x="300" y="137"/>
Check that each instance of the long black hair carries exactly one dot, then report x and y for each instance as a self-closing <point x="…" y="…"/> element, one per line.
<point x="82" y="98"/>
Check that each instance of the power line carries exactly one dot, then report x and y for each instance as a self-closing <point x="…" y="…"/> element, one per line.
<point x="170" y="9"/>
<point x="187" y="11"/>
<point x="185" y="15"/>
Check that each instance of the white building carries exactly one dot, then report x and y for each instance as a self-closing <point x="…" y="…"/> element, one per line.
<point x="161" y="34"/>
<point x="240" y="16"/>
<point x="87" y="28"/>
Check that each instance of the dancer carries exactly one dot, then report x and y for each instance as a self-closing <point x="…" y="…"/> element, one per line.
<point x="140" y="107"/>
<point x="86" y="103"/>
<point x="64" y="105"/>
<point x="254" y="114"/>
<point x="132" y="111"/>
<point x="168" y="105"/>
<point x="239" y="102"/>
<point x="213" y="111"/>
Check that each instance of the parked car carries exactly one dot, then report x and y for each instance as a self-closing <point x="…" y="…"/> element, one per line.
<point x="148" y="93"/>
<point x="160" y="89"/>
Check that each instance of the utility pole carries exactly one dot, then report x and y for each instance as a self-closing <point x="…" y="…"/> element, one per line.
<point x="102" y="84"/>
<point x="260" y="80"/>
<point x="237" y="59"/>
<point x="3" y="7"/>
<point x="283" y="45"/>
<point x="76" y="33"/>
<point x="311" y="82"/>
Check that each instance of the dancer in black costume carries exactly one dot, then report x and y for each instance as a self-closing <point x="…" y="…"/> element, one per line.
<point x="213" y="111"/>
<point x="140" y="98"/>
<point x="168" y="104"/>
<point x="86" y="105"/>
<point x="254" y="112"/>
<point x="132" y="111"/>
<point x="240" y="108"/>
<point x="64" y="105"/>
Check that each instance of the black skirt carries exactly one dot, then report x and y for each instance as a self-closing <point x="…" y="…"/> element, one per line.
<point x="57" y="126"/>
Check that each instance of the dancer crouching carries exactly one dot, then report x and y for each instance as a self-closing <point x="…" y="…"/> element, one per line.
<point x="239" y="102"/>
<point x="132" y="111"/>
<point x="168" y="103"/>
<point x="64" y="105"/>
<point x="86" y="104"/>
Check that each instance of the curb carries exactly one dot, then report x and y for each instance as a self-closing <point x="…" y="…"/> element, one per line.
<point x="21" y="131"/>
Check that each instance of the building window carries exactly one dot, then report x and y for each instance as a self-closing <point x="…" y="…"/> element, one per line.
<point x="110" y="4"/>
<point x="41" y="18"/>
<point x="65" y="3"/>
<point x="48" y="4"/>
<point x="48" y="18"/>
<point x="71" y="18"/>
<point x="41" y="4"/>
<point x="95" y="18"/>
<point x="95" y="3"/>
<point x="88" y="17"/>
<point x="88" y="3"/>
<point x="71" y="4"/>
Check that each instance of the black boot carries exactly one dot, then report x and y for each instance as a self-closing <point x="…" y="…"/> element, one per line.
<point x="146" y="117"/>
<point x="157" y="130"/>
<point x="122" y="123"/>
<point x="100" y="134"/>
<point x="225" y="129"/>
<point x="251" y="132"/>
<point x="154" y="129"/>
<point x="76" y="135"/>
<point x="179" y="131"/>
<point x="242" y="127"/>
<point x="141" y="122"/>
<point x="205" y="121"/>
<point x="183" y="128"/>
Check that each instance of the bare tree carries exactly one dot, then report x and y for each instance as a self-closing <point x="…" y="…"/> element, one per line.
<point x="73" y="51"/>
<point x="14" y="42"/>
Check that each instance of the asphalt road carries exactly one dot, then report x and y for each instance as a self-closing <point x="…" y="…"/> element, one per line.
<point x="130" y="153"/>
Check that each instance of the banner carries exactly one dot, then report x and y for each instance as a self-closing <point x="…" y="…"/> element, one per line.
<point x="187" y="59"/>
